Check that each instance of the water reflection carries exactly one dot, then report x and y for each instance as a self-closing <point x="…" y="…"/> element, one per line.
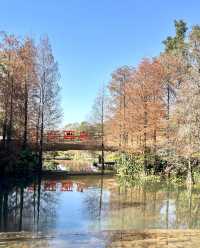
<point x="159" y="207"/>
<point x="92" y="206"/>
<point x="49" y="205"/>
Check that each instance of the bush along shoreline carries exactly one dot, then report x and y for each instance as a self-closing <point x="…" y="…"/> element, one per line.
<point x="133" y="170"/>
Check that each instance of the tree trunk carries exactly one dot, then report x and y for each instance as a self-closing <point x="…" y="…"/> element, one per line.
<point x="5" y="126"/>
<point x="145" y="137"/>
<point x="189" y="174"/>
<point x="168" y="113"/>
<point x="10" y="125"/>
<point x="25" y="115"/>
<point x="41" y="139"/>
<point x="38" y="130"/>
<point x="155" y="150"/>
<point x="102" y="131"/>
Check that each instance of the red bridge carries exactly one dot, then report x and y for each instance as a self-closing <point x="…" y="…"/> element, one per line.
<point x="69" y="140"/>
<point x="56" y="140"/>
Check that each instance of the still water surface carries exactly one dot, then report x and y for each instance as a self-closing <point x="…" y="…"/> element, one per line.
<point x="96" y="212"/>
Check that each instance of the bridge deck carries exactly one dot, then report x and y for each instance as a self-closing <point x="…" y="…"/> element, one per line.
<point x="67" y="146"/>
<point x="76" y="146"/>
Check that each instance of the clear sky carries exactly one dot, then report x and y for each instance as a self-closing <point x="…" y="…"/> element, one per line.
<point x="91" y="38"/>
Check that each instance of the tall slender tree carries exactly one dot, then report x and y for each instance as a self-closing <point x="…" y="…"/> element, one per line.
<point x="48" y="91"/>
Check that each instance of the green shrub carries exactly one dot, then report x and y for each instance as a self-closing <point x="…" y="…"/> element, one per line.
<point x="51" y="165"/>
<point x="131" y="171"/>
<point x="129" y="168"/>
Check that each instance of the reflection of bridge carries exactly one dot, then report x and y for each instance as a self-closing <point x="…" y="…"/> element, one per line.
<point x="77" y="146"/>
<point x="62" y="186"/>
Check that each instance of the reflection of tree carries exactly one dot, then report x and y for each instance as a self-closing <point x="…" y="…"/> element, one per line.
<point x="100" y="198"/>
<point x="1" y="207"/>
<point x="154" y="206"/>
<point x="5" y="211"/>
<point x="167" y="209"/>
<point x="20" y="206"/>
<point x="40" y="207"/>
<point x="94" y="206"/>
<point x="190" y="205"/>
<point x="27" y="206"/>
<point x="159" y="205"/>
<point x="91" y="203"/>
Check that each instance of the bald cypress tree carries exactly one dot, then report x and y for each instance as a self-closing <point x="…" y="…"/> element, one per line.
<point x="48" y="91"/>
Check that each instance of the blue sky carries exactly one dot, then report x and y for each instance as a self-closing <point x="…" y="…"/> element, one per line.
<point x="91" y="38"/>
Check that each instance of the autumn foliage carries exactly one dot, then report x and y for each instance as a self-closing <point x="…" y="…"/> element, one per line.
<point x="154" y="107"/>
<point x="29" y="92"/>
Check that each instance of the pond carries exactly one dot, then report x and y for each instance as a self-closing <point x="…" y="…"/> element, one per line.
<point x="95" y="212"/>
